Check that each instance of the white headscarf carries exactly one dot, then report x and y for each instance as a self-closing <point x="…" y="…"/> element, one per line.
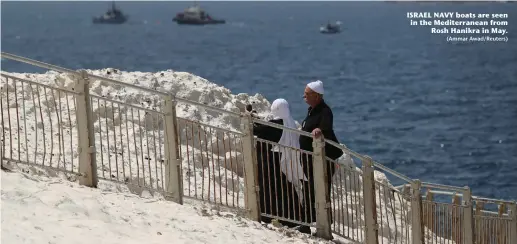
<point x="289" y="162"/>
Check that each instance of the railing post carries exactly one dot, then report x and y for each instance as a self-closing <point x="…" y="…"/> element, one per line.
<point x="478" y="227"/>
<point x="250" y="168"/>
<point x="416" y="213"/>
<point x="322" y="197"/>
<point x="501" y="233"/>
<point x="370" y="203"/>
<point x="85" y="133"/>
<point x="468" y="217"/>
<point x="513" y="222"/>
<point x="456" y="235"/>
<point x="173" y="175"/>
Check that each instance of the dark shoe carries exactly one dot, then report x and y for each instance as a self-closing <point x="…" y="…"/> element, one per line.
<point x="305" y="229"/>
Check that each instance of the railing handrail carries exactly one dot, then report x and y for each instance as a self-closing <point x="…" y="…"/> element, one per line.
<point x="491" y="200"/>
<point x="156" y="92"/>
<point x="442" y="187"/>
<point x="2" y="73"/>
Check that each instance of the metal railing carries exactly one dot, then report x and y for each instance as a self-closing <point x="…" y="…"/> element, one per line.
<point x="145" y="145"/>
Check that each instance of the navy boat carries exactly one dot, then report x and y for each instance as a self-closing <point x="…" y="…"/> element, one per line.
<point x="112" y="16"/>
<point x="195" y="16"/>
<point x="330" y="28"/>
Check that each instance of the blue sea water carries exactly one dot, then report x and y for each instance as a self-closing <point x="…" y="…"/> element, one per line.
<point x="437" y="111"/>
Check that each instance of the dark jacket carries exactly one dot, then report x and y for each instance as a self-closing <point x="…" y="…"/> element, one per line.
<point x="320" y="117"/>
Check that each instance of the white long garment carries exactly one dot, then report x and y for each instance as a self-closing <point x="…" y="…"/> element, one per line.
<point x="289" y="162"/>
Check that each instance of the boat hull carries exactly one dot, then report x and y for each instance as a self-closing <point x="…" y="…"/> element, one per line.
<point x="330" y="31"/>
<point x="97" y="20"/>
<point x="197" y="22"/>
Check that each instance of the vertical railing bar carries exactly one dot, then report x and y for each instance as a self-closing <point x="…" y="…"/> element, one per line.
<point x="381" y="223"/>
<point x="9" y="121"/>
<point x="200" y="144"/>
<point x="100" y="136"/>
<point x="17" y="117"/>
<point x="392" y="198"/>
<point x="141" y="137"/>
<point x="107" y="138"/>
<point x="43" y="125"/>
<point x="281" y="183"/>
<point x="155" y="127"/>
<point x="231" y="171"/>
<point x="357" y="207"/>
<point x="193" y="158"/>
<point x="448" y="223"/>
<point x="128" y="149"/>
<point x="402" y="214"/>
<point x="436" y="221"/>
<point x="336" y="195"/>
<point x="58" y="127"/>
<point x="61" y="130"/>
<point x="51" y="125"/>
<point x="146" y="132"/>
<point x="219" y="168"/>
<point x="188" y="159"/>
<point x="309" y="199"/>
<point x="290" y="199"/>
<point x="269" y="180"/>
<point x="2" y="148"/>
<point x="160" y="143"/>
<point x="226" y="168"/>
<point x="343" y="211"/>
<point x="300" y="208"/>
<point x="71" y="136"/>
<point x="243" y="168"/>
<point x="121" y="143"/>
<point x="208" y="162"/>
<point x="213" y="163"/>
<point x="299" y="188"/>
<point x="24" y="124"/>
<point x="236" y="167"/>
<point x="35" y="124"/>
<point x="115" y="138"/>
<point x="75" y="108"/>
<point x="344" y="205"/>
<point x="385" y="196"/>
<point x="283" y="193"/>
<point x="512" y="223"/>
<point x="135" y="146"/>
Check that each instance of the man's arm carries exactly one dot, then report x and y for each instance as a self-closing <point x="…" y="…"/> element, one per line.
<point x="325" y="125"/>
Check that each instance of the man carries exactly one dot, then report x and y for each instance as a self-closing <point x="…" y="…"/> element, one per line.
<point x="319" y="121"/>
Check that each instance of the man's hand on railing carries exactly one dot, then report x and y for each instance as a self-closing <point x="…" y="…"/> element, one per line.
<point x="316" y="133"/>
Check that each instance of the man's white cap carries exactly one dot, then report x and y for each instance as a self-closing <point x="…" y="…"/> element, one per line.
<point x="316" y="86"/>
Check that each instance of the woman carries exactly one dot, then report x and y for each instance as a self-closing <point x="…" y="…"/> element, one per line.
<point x="279" y="170"/>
